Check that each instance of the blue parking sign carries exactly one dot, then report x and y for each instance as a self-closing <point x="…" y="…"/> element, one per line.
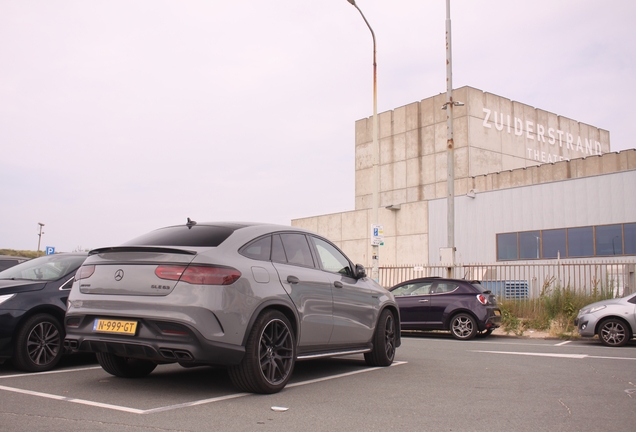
<point x="50" y="250"/>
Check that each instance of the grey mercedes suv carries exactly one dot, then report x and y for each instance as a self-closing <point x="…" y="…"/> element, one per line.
<point x="252" y="297"/>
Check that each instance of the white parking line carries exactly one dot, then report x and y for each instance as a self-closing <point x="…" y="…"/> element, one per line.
<point x="32" y="374"/>
<point x="574" y="356"/>
<point x="169" y="407"/>
<point x="562" y="343"/>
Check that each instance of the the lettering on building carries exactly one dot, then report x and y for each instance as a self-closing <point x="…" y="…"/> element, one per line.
<point x="542" y="135"/>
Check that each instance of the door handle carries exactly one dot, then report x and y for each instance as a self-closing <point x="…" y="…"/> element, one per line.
<point x="292" y="279"/>
<point x="422" y="301"/>
<point x="338" y="284"/>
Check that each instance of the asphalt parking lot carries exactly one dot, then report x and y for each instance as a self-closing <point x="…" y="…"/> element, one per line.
<point x="436" y="384"/>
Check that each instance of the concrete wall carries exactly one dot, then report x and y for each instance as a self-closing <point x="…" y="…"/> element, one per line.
<point x="405" y="233"/>
<point x="491" y="134"/>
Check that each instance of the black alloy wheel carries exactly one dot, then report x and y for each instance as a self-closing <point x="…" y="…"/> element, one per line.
<point x="38" y="343"/>
<point x="613" y="332"/>
<point x="270" y="355"/>
<point x="384" y="340"/>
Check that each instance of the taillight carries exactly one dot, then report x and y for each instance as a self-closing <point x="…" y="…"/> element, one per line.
<point x="199" y="275"/>
<point x="84" y="272"/>
<point x="170" y="272"/>
<point x="482" y="299"/>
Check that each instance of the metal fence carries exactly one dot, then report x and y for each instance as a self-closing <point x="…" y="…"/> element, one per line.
<point x="519" y="281"/>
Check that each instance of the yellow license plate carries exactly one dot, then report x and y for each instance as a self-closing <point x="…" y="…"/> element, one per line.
<point x="115" y="326"/>
<point x="497" y="312"/>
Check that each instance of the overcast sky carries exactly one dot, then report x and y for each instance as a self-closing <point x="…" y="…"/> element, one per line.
<point x="121" y="116"/>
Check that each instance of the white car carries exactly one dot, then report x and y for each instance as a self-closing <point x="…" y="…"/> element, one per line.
<point x="614" y="320"/>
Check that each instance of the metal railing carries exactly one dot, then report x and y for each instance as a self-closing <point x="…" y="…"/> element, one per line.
<point x="523" y="280"/>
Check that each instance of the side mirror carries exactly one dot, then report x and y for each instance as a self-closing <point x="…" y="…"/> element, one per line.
<point x="360" y="271"/>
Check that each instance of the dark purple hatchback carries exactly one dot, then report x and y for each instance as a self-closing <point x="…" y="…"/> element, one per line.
<point x="464" y="307"/>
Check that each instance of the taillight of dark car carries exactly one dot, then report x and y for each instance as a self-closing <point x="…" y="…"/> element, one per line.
<point x="198" y="275"/>
<point x="84" y="272"/>
<point x="482" y="299"/>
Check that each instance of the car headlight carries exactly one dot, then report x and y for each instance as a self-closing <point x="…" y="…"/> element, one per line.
<point x="592" y="310"/>
<point x="4" y="298"/>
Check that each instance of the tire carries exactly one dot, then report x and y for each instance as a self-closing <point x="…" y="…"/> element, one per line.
<point x="384" y="340"/>
<point x="463" y="326"/>
<point x="270" y="355"/>
<point x="125" y="367"/>
<point x="38" y="344"/>
<point x="613" y="332"/>
<point x="484" y="333"/>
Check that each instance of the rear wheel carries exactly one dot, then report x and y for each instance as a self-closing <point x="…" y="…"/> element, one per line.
<point x="384" y="340"/>
<point x="463" y="327"/>
<point x="38" y="344"/>
<point x="125" y="367"/>
<point x="270" y="354"/>
<point x="613" y="332"/>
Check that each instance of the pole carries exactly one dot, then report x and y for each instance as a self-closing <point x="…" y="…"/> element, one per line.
<point x="450" y="153"/>
<point x="375" y="252"/>
<point x="40" y="235"/>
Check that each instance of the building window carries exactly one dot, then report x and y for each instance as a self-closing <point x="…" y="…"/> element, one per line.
<point x="579" y="242"/>
<point x="609" y="240"/>
<point x="630" y="239"/>
<point x="507" y="247"/>
<point x="553" y="242"/>
<point x="529" y="245"/>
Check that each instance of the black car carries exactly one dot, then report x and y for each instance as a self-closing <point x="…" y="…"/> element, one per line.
<point x="32" y="305"/>
<point x="464" y="307"/>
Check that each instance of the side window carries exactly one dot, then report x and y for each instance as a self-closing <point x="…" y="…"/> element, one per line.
<point x="278" y="253"/>
<point x="332" y="259"/>
<point x="259" y="249"/>
<point x="297" y="249"/>
<point x="413" y="289"/>
<point x="444" y="287"/>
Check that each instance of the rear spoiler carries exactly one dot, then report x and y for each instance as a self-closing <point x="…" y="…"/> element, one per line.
<point x="141" y="249"/>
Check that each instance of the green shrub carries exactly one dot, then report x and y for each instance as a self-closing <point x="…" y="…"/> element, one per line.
<point x="555" y="310"/>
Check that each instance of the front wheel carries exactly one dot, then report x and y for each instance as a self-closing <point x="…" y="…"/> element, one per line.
<point x="613" y="333"/>
<point x="384" y="340"/>
<point x="125" y="367"/>
<point x="38" y="344"/>
<point x="270" y="354"/>
<point x="463" y="327"/>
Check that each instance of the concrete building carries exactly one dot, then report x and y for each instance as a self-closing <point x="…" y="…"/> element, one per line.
<point x="529" y="184"/>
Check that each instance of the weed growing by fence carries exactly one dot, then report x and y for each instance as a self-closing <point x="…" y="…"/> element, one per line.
<point x="554" y="310"/>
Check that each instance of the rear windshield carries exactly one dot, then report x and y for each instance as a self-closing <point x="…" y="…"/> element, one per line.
<point x="198" y="235"/>
<point x="479" y="286"/>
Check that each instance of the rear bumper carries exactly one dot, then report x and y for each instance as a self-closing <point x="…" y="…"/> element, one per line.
<point x="161" y="342"/>
<point x="492" y="319"/>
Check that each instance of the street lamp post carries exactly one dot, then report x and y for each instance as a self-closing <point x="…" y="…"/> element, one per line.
<point x="376" y="155"/>
<point x="450" y="147"/>
<point x="40" y="235"/>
